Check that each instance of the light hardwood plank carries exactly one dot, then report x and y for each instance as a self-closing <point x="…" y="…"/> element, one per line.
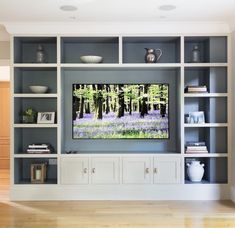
<point x="130" y="214"/>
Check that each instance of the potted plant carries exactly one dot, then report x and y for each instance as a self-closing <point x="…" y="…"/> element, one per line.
<point x="29" y="116"/>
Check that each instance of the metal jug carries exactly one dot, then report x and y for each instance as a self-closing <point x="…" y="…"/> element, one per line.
<point x="152" y="56"/>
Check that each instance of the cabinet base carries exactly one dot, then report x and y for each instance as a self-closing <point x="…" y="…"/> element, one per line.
<point x="118" y="192"/>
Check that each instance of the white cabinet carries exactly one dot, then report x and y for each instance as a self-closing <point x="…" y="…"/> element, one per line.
<point x="136" y="170"/>
<point x="105" y="170"/>
<point x="166" y="170"/>
<point x="74" y="170"/>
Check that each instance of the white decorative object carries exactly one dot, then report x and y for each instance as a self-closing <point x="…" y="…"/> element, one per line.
<point x="38" y="89"/>
<point x="195" y="171"/>
<point x="91" y="59"/>
<point x="197" y="117"/>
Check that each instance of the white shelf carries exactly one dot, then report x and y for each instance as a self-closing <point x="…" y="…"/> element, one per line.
<point x="35" y="155"/>
<point x="205" y="64"/>
<point x="207" y="125"/>
<point x="35" y="125"/>
<point x="121" y="65"/>
<point x="206" y="155"/>
<point x="33" y="95"/>
<point x="205" y="95"/>
<point x="32" y="65"/>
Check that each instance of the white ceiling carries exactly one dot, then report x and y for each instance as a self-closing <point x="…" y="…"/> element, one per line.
<point x="116" y="10"/>
<point x="43" y="12"/>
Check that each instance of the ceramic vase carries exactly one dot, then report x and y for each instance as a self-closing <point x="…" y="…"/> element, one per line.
<point x="195" y="54"/>
<point x="40" y="55"/>
<point x="195" y="171"/>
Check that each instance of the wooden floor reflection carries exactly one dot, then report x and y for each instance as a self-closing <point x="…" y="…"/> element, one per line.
<point x="116" y="214"/>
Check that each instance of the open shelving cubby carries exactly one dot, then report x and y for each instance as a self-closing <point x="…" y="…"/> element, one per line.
<point x="72" y="48"/>
<point x="215" y="170"/>
<point x="29" y="76"/>
<point x="25" y="49"/>
<point x="23" y="166"/>
<point x="213" y="49"/>
<point x="134" y="49"/>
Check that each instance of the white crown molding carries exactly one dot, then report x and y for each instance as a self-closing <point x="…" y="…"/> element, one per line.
<point x="116" y="28"/>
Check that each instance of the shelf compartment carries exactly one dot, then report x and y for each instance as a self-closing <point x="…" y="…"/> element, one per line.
<point x="134" y="49"/>
<point x="215" y="138"/>
<point x="22" y="170"/>
<point x="215" y="78"/>
<point x="213" y="49"/>
<point x="216" y="170"/>
<point x="25" y="49"/>
<point x="215" y="108"/>
<point x="74" y="47"/>
<point x="25" y="136"/>
<point x="25" y="77"/>
<point x="38" y="104"/>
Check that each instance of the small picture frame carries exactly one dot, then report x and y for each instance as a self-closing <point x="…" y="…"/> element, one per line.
<point x="46" y="118"/>
<point x="38" y="173"/>
<point x="196" y="117"/>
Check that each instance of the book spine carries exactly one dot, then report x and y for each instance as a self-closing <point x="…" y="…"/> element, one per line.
<point x="196" y="148"/>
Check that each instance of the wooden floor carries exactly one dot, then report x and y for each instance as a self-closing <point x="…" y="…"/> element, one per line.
<point x="129" y="214"/>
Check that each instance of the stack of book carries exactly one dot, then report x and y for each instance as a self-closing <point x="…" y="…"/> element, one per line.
<point x="196" y="148"/>
<point x="39" y="149"/>
<point x="196" y="89"/>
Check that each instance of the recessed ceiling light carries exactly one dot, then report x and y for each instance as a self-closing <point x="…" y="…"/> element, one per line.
<point x="167" y="7"/>
<point x="68" y="8"/>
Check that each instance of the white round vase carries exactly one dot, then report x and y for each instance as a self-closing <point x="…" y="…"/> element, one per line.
<point x="195" y="171"/>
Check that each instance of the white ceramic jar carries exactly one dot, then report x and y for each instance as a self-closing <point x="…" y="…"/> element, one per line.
<point x="195" y="171"/>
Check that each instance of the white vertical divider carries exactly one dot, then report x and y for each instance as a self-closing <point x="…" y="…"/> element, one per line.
<point x="12" y="163"/>
<point x="182" y="133"/>
<point x="59" y="108"/>
<point x="120" y="49"/>
<point x="229" y="108"/>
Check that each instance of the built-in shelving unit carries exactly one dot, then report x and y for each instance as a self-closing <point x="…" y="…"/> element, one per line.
<point x="28" y="72"/>
<point x="123" y="61"/>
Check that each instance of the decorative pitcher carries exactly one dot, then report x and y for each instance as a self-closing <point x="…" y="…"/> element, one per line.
<point x="152" y="56"/>
<point x="195" y="171"/>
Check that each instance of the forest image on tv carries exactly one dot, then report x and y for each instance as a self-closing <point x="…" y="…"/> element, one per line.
<point x="120" y="111"/>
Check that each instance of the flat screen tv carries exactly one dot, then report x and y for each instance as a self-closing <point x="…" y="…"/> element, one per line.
<point x="120" y="111"/>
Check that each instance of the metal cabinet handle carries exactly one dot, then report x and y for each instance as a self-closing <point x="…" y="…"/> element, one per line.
<point x="93" y="170"/>
<point x="147" y="170"/>
<point x="85" y="170"/>
<point x="155" y="170"/>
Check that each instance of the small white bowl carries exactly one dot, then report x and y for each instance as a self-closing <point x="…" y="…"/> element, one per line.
<point x="38" y="89"/>
<point x="91" y="59"/>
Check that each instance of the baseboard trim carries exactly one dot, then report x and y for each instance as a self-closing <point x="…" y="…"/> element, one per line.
<point x="232" y="194"/>
<point x="120" y="192"/>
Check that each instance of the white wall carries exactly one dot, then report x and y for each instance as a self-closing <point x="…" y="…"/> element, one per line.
<point x="4" y="61"/>
<point x="233" y="122"/>
<point x="4" y="50"/>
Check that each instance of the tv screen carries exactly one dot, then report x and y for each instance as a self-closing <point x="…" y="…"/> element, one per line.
<point x="120" y="111"/>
